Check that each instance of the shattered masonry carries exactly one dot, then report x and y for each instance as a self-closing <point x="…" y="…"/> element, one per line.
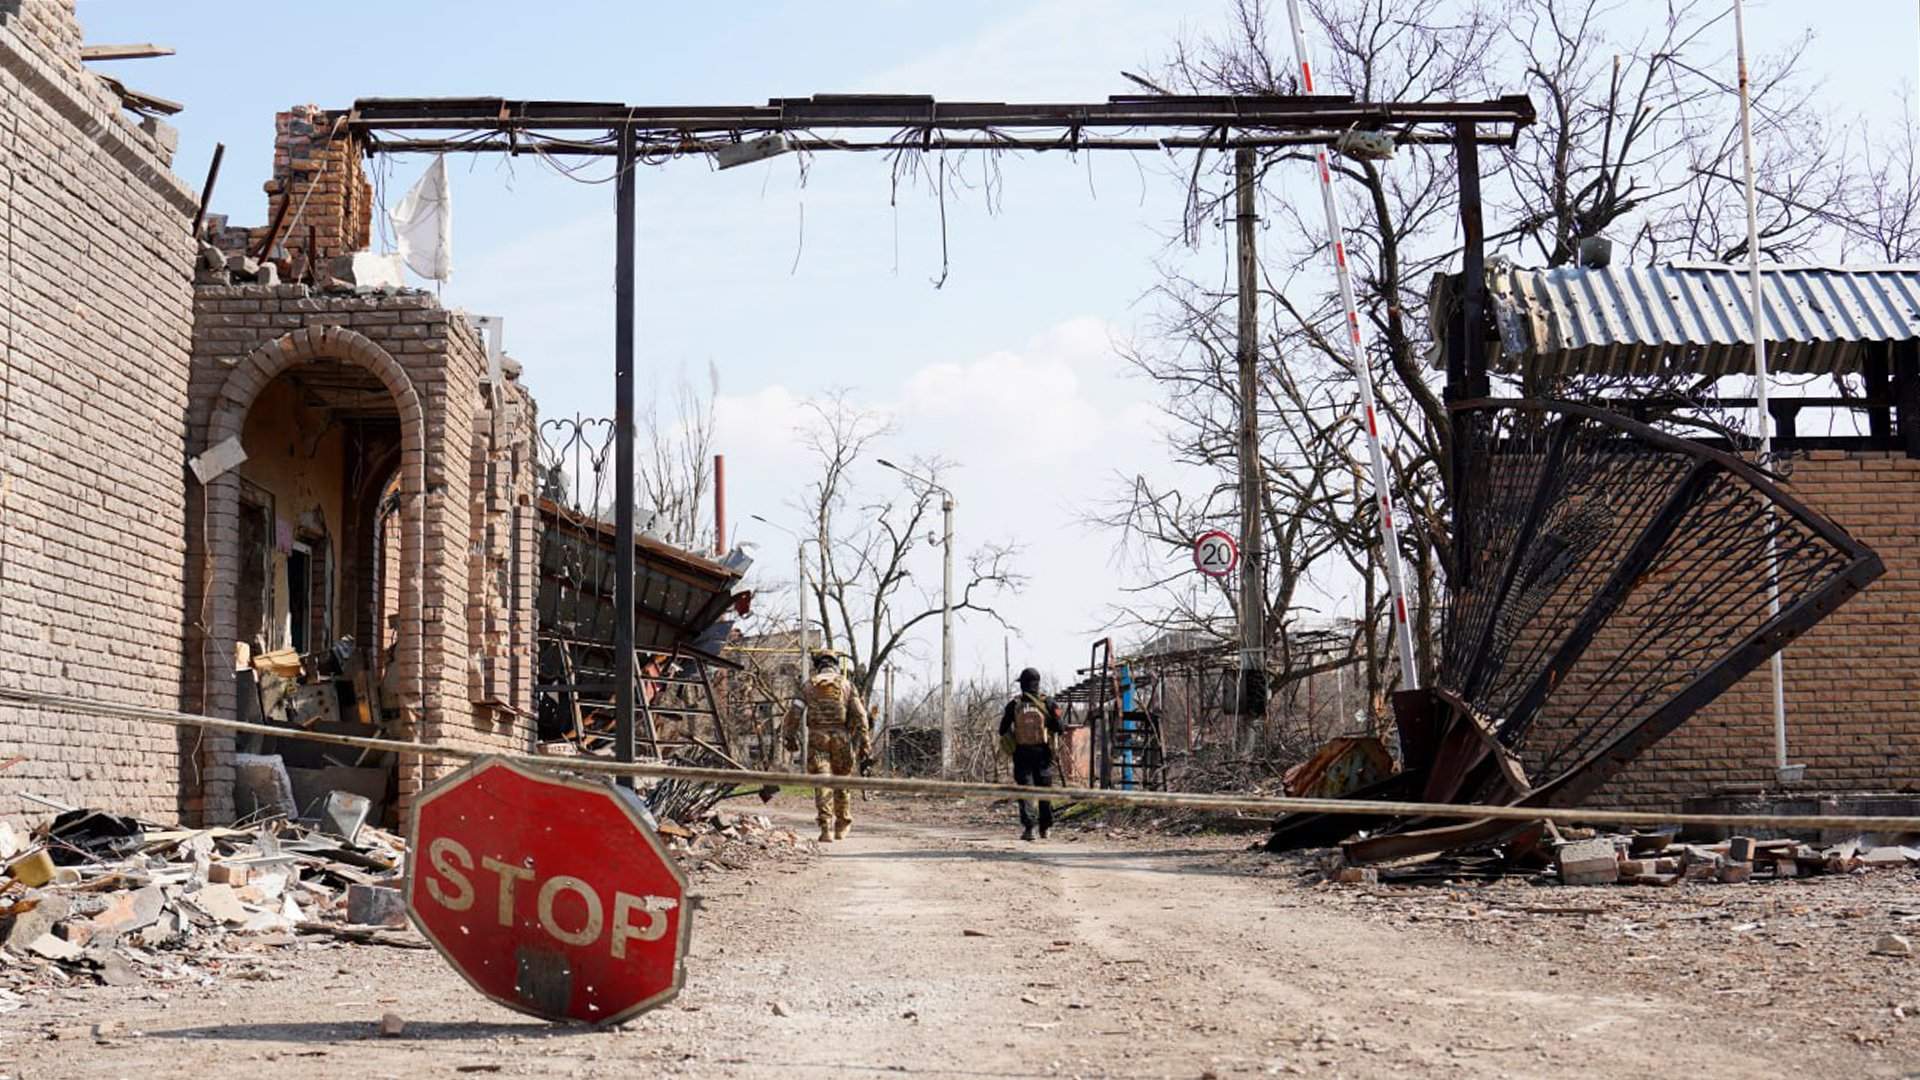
<point x="385" y="494"/>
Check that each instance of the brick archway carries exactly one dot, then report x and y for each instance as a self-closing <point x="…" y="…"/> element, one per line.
<point x="238" y="391"/>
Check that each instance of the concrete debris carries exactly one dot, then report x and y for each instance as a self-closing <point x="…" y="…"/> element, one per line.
<point x="119" y="902"/>
<point x="391" y="1026"/>
<point x="1892" y="945"/>
<point x="376" y="905"/>
<point x="53" y="947"/>
<point x="146" y="905"/>
<point x="1589" y="862"/>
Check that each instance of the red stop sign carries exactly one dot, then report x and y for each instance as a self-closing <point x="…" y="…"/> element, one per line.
<point x="551" y="895"/>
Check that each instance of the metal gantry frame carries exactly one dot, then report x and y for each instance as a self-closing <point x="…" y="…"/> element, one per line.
<point x="903" y="124"/>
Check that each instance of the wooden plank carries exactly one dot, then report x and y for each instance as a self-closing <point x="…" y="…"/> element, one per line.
<point x="123" y="52"/>
<point x="141" y="101"/>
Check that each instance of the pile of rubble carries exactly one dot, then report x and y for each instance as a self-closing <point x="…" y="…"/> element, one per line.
<point x="1655" y="859"/>
<point x="718" y="843"/>
<point x="95" y="898"/>
<point x="1583" y="857"/>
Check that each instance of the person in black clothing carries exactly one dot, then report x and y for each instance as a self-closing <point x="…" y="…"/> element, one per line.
<point x="1030" y="723"/>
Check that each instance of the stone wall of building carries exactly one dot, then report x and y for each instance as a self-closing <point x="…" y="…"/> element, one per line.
<point x="1852" y="683"/>
<point x="95" y="315"/>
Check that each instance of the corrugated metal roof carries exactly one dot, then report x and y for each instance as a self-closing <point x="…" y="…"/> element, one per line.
<point x="1692" y="317"/>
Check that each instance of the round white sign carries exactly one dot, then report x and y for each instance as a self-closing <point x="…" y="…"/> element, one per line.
<point x="1215" y="553"/>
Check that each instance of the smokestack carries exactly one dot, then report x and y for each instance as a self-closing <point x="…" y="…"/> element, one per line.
<point x="720" y="505"/>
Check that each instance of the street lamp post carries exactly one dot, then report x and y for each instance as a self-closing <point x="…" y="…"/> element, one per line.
<point x="946" y="614"/>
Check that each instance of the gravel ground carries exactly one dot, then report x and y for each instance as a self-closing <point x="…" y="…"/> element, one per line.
<point x="933" y="943"/>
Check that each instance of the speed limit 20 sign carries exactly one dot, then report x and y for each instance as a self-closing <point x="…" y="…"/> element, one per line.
<point x="1214" y="553"/>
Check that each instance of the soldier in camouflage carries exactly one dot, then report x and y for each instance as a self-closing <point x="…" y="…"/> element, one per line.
<point x="836" y="721"/>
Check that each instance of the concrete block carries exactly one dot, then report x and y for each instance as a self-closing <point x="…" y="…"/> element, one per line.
<point x="35" y="922"/>
<point x="376" y="905"/>
<point x="1589" y="862"/>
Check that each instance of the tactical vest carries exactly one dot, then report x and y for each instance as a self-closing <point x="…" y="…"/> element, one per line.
<point x="826" y="701"/>
<point x="1029" y="723"/>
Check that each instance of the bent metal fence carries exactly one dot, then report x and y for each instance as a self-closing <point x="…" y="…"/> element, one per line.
<point x="1620" y="579"/>
<point x="679" y="600"/>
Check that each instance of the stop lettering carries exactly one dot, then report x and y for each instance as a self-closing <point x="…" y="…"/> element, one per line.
<point x="550" y="895"/>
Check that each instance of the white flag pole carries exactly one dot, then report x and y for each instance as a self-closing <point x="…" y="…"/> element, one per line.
<point x="1756" y="319"/>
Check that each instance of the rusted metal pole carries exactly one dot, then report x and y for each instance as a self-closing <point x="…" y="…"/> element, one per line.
<point x="623" y="301"/>
<point x="1253" y="598"/>
<point x="206" y="190"/>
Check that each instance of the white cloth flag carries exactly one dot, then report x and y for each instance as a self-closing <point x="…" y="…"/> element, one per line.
<point x="423" y="222"/>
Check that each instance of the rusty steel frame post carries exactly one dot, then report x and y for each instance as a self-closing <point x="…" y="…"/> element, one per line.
<point x="623" y="319"/>
<point x="1466" y="349"/>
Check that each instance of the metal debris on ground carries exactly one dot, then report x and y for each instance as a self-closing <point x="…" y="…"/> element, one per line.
<point x="1608" y="584"/>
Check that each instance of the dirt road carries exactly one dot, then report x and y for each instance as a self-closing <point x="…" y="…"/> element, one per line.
<point x="948" y="949"/>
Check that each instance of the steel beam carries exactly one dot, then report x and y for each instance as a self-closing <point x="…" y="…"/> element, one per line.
<point x="623" y="303"/>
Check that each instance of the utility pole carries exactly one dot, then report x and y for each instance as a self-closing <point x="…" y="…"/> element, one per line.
<point x="623" y="452"/>
<point x="805" y="670"/>
<point x="1252" y="561"/>
<point x="946" y="612"/>
<point x="946" y="634"/>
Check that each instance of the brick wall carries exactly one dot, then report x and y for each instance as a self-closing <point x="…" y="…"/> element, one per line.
<point x="95" y="310"/>
<point x="452" y="471"/>
<point x="1853" y="682"/>
<point x="501" y="616"/>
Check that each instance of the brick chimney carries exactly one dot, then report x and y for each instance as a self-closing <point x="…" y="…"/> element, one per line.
<point x="319" y="196"/>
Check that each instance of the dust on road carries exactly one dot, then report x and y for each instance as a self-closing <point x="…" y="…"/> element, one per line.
<point x="931" y="945"/>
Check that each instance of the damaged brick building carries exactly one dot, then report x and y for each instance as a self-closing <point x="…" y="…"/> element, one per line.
<point x="215" y="456"/>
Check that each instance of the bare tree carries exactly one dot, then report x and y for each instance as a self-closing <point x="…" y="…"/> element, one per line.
<point x="868" y="602"/>
<point x="675" y="473"/>
<point x="1636" y="142"/>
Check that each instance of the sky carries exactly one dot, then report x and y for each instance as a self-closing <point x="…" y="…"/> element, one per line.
<point x="791" y="287"/>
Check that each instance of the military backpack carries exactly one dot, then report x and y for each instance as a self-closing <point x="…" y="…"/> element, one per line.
<point x="826" y="701"/>
<point x="1029" y="723"/>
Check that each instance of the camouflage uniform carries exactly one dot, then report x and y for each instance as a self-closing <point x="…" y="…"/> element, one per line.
<point x="836" y="735"/>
